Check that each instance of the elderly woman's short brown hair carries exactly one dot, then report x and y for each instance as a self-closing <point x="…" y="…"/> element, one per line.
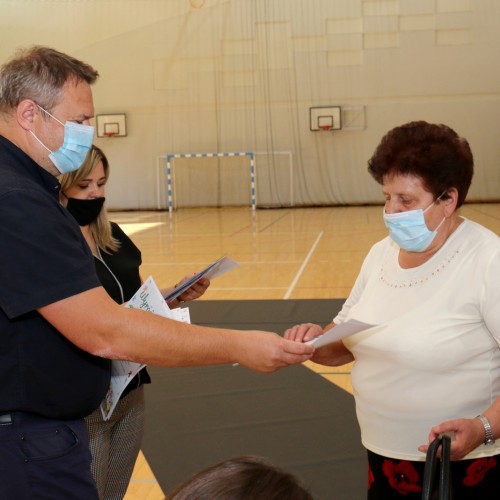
<point x="433" y="152"/>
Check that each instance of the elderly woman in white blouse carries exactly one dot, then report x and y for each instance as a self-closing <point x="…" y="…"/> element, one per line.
<point x="432" y="288"/>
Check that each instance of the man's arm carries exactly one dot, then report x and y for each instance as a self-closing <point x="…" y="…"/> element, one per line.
<point x="96" y="324"/>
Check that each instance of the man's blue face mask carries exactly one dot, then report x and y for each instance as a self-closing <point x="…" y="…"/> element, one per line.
<point x="78" y="140"/>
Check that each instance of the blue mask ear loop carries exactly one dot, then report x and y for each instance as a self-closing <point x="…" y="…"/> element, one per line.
<point x="33" y="134"/>
<point x="444" y="218"/>
<point x="437" y="199"/>
<point x="52" y="116"/>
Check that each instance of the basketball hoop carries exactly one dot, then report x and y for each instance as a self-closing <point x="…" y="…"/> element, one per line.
<point x="110" y="134"/>
<point x="324" y="128"/>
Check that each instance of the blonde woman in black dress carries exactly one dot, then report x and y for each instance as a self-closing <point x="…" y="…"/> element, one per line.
<point x="114" y="443"/>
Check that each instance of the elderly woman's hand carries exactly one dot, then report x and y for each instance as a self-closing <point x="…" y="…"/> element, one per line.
<point x="468" y="434"/>
<point x="303" y="332"/>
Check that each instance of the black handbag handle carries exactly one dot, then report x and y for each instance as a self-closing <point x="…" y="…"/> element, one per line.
<point x="431" y="465"/>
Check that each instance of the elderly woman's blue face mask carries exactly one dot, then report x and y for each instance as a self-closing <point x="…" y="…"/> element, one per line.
<point x="409" y="229"/>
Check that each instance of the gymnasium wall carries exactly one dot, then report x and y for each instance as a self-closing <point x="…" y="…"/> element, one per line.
<point x="196" y="76"/>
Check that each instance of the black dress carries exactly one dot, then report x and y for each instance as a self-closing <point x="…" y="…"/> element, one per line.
<point x="121" y="269"/>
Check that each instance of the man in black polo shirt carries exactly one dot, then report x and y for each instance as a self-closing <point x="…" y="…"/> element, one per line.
<point x="58" y="327"/>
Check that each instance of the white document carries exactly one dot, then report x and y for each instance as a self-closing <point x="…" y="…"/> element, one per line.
<point x="220" y="266"/>
<point x="147" y="298"/>
<point x="339" y="332"/>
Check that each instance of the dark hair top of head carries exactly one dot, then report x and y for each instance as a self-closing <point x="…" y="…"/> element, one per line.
<point x="241" y="478"/>
<point x="433" y="152"/>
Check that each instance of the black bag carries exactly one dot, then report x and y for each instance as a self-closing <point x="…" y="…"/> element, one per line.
<point x="443" y="491"/>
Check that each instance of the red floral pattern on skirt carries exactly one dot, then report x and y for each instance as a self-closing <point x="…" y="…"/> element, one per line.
<point x="402" y="476"/>
<point x="371" y="477"/>
<point x="478" y="469"/>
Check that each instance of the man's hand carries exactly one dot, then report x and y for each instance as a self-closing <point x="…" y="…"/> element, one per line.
<point x="267" y="352"/>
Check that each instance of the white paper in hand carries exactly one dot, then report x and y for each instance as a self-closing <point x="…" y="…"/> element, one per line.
<point x="339" y="332"/>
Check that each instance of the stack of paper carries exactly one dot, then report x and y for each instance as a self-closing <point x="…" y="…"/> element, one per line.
<point x="147" y="298"/>
<point x="220" y="266"/>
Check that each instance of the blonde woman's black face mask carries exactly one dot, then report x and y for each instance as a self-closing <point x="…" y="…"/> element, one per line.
<point x="85" y="211"/>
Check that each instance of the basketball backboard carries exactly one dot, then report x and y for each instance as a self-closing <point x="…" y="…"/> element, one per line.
<point x="113" y="125"/>
<point x="325" y="118"/>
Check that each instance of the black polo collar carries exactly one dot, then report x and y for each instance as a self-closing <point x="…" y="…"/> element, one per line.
<point x="22" y="165"/>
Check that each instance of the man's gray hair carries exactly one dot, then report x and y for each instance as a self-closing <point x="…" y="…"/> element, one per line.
<point x="39" y="73"/>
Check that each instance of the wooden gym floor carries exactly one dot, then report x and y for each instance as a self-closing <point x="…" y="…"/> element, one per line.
<point x="290" y="253"/>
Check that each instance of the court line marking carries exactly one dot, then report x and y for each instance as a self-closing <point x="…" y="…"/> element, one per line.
<point x="143" y="481"/>
<point x="303" y="266"/>
<point x="253" y="288"/>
